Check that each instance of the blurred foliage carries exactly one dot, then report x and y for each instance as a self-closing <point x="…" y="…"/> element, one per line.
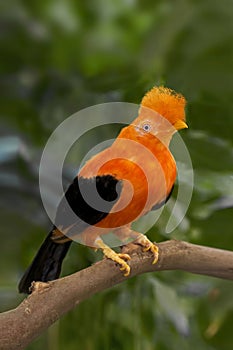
<point x="59" y="56"/>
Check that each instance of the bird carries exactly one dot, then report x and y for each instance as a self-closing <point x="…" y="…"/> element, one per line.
<point x="133" y="176"/>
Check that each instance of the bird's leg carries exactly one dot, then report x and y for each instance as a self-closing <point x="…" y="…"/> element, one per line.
<point x="141" y="240"/>
<point x="119" y="258"/>
<point x="147" y="245"/>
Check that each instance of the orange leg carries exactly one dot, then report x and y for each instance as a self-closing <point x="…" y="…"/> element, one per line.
<point x="119" y="258"/>
<point x="148" y="245"/>
<point x="139" y="238"/>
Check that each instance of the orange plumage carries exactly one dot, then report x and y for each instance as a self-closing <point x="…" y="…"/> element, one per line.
<point x="163" y="111"/>
<point x="141" y="162"/>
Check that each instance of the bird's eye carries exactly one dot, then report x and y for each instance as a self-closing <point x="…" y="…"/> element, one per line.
<point x="146" y="127"/>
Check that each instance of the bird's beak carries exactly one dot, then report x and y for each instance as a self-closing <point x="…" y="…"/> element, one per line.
<point x="180" y="124"/>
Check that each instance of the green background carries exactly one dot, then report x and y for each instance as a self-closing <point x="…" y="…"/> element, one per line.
<point x="59" y="56"/>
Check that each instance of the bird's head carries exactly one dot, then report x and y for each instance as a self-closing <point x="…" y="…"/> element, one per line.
<point x="162" y="111"/>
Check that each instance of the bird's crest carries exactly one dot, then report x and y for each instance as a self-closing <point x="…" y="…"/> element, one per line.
<point x="167" y="103"/>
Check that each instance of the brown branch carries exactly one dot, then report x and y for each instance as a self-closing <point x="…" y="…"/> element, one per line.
<point x="48" y="302"/>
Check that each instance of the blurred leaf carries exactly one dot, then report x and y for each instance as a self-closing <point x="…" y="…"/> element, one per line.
<point x="171" y="306"/>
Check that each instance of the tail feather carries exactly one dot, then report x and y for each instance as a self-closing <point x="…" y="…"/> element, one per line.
<point x="46" y="265"/>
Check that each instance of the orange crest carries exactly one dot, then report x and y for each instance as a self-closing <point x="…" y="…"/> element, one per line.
<point x="167" y="103"/>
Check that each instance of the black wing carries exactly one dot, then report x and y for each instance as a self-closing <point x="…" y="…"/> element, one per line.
<point x="108" y="188"/>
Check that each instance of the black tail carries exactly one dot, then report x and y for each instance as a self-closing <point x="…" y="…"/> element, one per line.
<point x="46" y="265"/>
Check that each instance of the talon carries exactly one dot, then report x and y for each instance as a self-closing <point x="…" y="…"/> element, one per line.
<point x="155" y="250"/>
<point x="119" y="258"/>
<point x="148" y="245"/>
<point x="126" y="267"/>
<point x="125" y="257"/>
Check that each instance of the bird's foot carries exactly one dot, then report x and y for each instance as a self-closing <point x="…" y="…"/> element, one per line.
<point x="39" y="287"/>
<point x="148" y="246"/>
<point x="119" y="258"/>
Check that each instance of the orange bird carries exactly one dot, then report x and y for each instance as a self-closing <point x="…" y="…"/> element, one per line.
<point x="134" y="175"/>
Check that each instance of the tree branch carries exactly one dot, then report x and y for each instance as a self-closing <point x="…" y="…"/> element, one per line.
<point x="48" y="302"/>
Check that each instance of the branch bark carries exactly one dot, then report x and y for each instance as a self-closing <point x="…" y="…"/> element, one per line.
<point x="49" y="301"/>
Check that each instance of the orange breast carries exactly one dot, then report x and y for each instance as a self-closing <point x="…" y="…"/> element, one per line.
<point x="147" y="170"/>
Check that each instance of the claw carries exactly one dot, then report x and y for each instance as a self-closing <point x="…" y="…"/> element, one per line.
<point x="148" y="245"/>
<point x="125" y="257"/>
<point x="119" y="258"/>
